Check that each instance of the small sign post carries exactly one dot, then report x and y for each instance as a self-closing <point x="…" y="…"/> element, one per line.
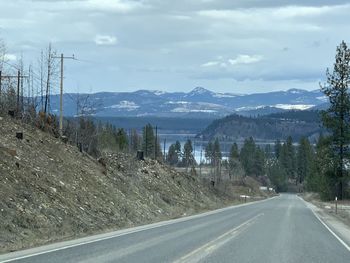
<point x="336" y="204"/>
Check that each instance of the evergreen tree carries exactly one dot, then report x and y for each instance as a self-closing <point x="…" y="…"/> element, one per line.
<point x="135" y="141"/>
<point x="233" y="161"/>
<point x="188" y="159"/>
<point x="159" y="153"/>
<point x="278" y="149"/>
<point x="268" y="151"/>
<point x="178" y="149"/>
<point x="337" y="117"/>
<point x="304" y="160"/>
<point x="320" y="179"/>
<point x="277" y="175"/>
<point x="148" y="141"/>
<point x="291" y="159"/>
<point x="121" y="139"/>
<point x="247" y="156"/>
<point x="172" y="157"/>
<point x="259" y="162"/>
<point x="234" y="153"/>
<point x="217" y="155"/>
<point x="209" y="152"/>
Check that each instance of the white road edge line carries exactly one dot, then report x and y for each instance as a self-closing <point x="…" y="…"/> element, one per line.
<point x="326" y="226"/>
<point x="126" y="232"/>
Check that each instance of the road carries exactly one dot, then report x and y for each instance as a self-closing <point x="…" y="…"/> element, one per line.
<point x="282" y="229"/>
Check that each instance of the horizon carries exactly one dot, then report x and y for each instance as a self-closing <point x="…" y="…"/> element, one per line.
<point x="187" y="91"/>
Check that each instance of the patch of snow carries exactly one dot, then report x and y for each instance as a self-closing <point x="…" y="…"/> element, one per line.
<point x="296" y="91"/>
<point x="224" y="95"/>
<point x="250" y="108"/>
<point x="187" y="110"/>
<point x="124" y="104"/>
<point x="294" y="106"/>
<point x="177" y="102"/>
<point x="322" y="98"/>
<point x="158" y="92"/>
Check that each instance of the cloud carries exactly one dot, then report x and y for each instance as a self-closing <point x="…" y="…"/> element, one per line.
<point x="210" y="64"/>
<point x="105" y="40"/>
<point x="113" y="5"/>
<point x="239" y="60"/>
<point x="166" y="42"/>
<point x="245" y="59"/>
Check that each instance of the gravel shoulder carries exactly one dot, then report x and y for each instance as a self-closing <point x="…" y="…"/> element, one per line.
<point x="338" y="222"/>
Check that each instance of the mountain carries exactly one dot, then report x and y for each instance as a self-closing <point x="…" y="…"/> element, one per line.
<point x="275" y="126"/>
<point x="198" y="103"/>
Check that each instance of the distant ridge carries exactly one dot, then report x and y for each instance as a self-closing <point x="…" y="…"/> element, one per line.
<point x="199" y="102"/>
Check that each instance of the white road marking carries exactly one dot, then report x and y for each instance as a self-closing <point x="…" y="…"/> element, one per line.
<point x="79" y="242"/>
<point x="205" y="250"/>
<point x="326" y="226"/>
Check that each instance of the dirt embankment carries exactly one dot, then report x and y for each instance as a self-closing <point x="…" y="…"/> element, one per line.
<point x="49" y="191"/>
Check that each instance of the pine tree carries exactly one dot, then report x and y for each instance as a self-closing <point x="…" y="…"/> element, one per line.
<point x="172" y="157"/>
<point x="178" y="149"/>
<point x="217" y="156"/>
<point x="337" y="117"/>
<point x="278" y="149"/>
<point x="121" y="139"/>
<point x="234" y="153"/>
<point x="259" y="162"/>
<point x="247" y="156"/>
<point x="148" y="141"/>
<point x="320" y="179"/>
<point x="304" y="160"/>
<point x="134" y="141"/>
<point x="217" y="152"/>
<point x="291" y="159"/>
<point x="233" y="161"/>
<point x="209" y="152"/>
<point x="188" y="158"/>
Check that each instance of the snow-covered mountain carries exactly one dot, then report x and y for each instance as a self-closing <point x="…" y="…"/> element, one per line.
<point x="200" y="102"/>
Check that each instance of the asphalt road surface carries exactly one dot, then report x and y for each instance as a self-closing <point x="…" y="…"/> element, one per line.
<point x="282" y="229"/>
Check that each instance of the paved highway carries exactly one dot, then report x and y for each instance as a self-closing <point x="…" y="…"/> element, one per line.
<point x="282" y="229"/>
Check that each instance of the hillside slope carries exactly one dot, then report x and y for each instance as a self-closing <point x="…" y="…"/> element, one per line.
<point x="49" y="191"/>
<point x="270" y="127"/>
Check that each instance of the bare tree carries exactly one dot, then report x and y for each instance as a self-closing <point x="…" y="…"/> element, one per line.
<point x="52" y="70"/>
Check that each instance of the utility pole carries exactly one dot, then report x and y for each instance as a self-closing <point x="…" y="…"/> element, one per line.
<point x="18" y="87"/>
<point x="200" y="163"/>
<point x="62" y="57"/>
<point x="155" y="144"/>
<point x="0" y="90"/>
<point x="164" y="150"/>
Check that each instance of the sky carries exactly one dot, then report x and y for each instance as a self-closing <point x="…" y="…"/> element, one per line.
<point x="237" y="46"/>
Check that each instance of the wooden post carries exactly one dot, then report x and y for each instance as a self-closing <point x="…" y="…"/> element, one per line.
<point x="164" y="150"/>
<point x="155" y="144"/>
<point x="336" y="204"/>
<point x="18" y="90"/>
<point x="61" y="99"/>
<point x="0" y="90"/>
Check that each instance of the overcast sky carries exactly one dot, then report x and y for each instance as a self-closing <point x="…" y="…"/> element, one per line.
<point x="239" y="46"/>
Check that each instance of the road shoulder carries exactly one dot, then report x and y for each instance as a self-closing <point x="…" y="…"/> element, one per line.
<point x="335" y="225"/>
